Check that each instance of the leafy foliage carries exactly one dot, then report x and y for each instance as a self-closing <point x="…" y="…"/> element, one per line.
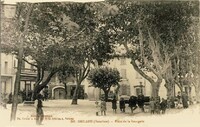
<point x="153" y="33"/>
<point x="104" y="77"/>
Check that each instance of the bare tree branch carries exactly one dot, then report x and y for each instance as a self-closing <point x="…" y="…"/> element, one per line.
<point x="29" y="62"/>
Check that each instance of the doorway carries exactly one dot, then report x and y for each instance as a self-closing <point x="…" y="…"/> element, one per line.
<point x="59" y="93"/>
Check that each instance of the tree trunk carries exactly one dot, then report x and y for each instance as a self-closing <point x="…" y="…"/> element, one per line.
<point x="117" y="91"/>
<point x="155" y="88"/>
<point x="106" y="95"/>
<point x="154" y="91"/>
<point x="170" y="89"/>
<point x="197" y="93"/>
<point x="180" y="87"/>
<point x="75" y="95"/>
<point x="16" y="87"/>
<point x="39" y="87"/>
<point x="155" y="85"/>
<point x="36" y="91"/>
<point x="80" y="76"/>
<point x="65" y="84"/>
<point x="40" y="76"/>
<point x="20" y="55"/>
<point x="198" y="96"/>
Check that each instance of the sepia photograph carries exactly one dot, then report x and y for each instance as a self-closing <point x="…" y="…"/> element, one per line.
<point x="85" y="63"/>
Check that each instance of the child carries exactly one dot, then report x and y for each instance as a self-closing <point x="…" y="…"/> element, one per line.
<point x="97" y="107"/>
<point x="103" y="107"/>
<point x="152" y="105"/>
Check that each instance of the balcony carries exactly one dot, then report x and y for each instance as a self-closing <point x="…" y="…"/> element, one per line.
<point x="28" y="74"/>
<point x="7" y="71"/>
<point x="28" y="71"/>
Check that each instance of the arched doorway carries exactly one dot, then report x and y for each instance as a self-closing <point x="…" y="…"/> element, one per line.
<point x="59" y="92"/>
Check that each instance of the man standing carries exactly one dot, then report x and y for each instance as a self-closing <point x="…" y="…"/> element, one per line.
<point x="132" y="103"/>
<point x="163" y="106"/>
<point x="39" y="110"/>
<point x="141" y="101"/>
<point x="122" y="105"/>
<point x="185" y="100"/>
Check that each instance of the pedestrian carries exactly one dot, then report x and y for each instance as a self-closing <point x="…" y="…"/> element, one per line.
<point x="141" y="101"/>
<point x="122" y="105"/>
<point x="97" y="108"/>
<point x="163" y="106"/>
<point x="39" y="110"/>
<point x="103" y="107"/>
<point x="179" y="97"/>
<point x="152" y="105"/>
<point x="185" y="100"/>
<point x="114" y="105"/>
<point x="157" y="106"/>
<point x="133" y="103"/>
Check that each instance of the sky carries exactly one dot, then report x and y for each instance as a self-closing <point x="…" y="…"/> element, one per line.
<point x="33" y="1"/>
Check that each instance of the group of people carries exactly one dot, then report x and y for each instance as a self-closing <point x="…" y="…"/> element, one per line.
<point x="157" y="106"/>
<point x="101" y="106"/>
<point x="133" y="103"/>
<point x="182" y="100"/>
<point x="154" y="105"/>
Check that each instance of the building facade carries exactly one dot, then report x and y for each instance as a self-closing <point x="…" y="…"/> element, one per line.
<point x="8" y="73"/>
<point x="132" y="83"/>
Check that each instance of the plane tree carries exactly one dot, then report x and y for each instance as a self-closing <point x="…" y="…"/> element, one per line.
<point x="151" y="33"/>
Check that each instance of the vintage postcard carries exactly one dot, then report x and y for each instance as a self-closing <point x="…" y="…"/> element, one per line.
<point x="81" y="63"/>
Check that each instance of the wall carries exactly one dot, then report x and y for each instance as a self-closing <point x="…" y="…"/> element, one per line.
<point x="7" y="73"/>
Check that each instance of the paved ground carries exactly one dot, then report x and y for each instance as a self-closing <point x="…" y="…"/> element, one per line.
<point x="61" y="113"/>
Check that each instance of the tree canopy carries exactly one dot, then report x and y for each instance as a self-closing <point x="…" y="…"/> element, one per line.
<point x="104" y="78"/>
<point x="153" y="33"/>
<point x="158" y="37"/>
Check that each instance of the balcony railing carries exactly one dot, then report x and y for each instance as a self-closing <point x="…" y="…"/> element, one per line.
<point x="12" y="71"/>
<point x="7" y="71"/>
<point x="28" y="70"/>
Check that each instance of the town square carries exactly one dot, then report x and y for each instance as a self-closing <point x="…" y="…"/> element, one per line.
<point x="99" y="62"/>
